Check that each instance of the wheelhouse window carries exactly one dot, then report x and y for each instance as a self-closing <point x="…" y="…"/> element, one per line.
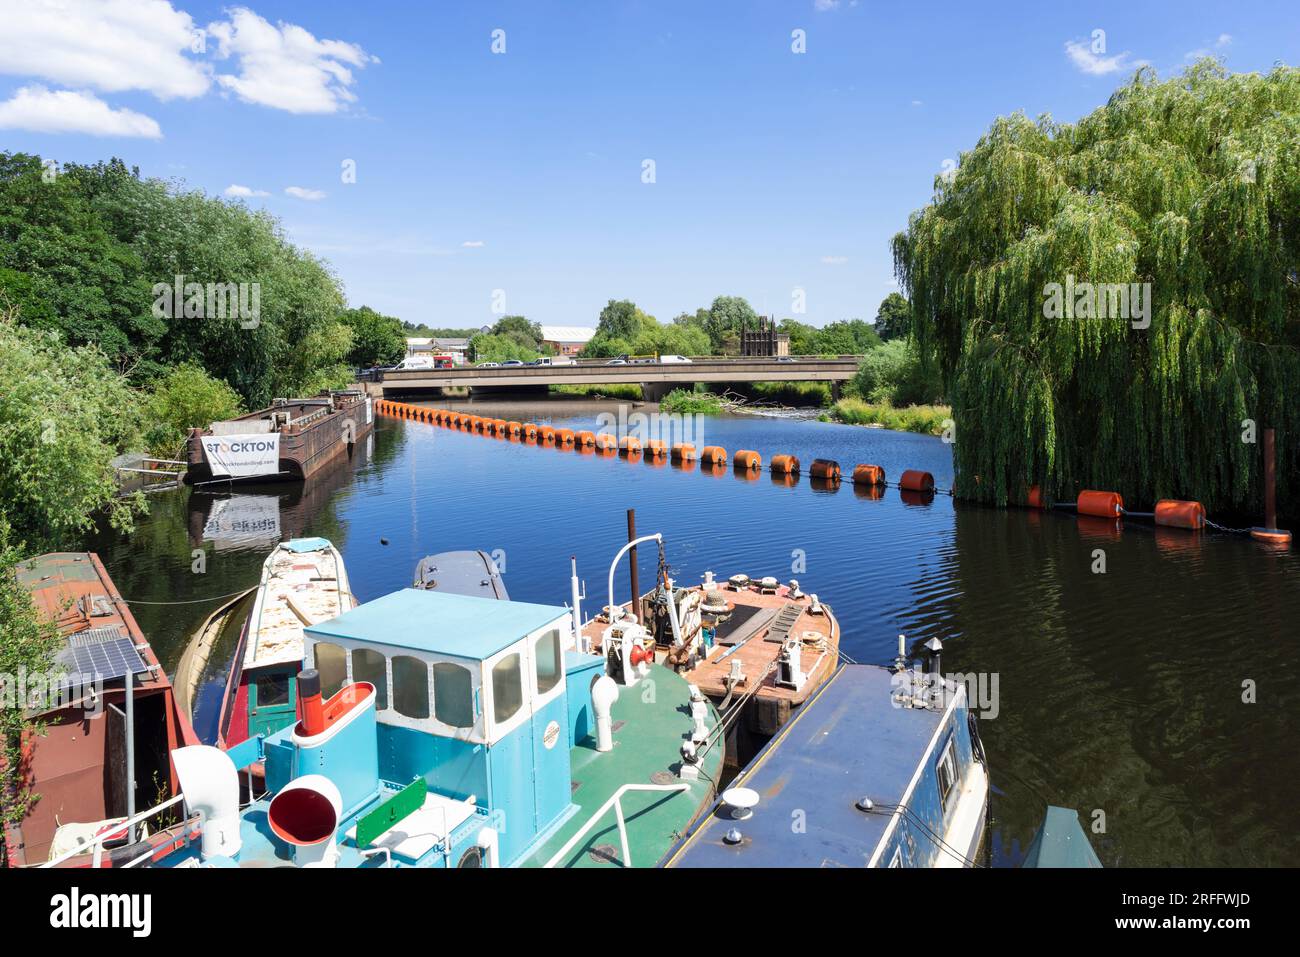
<point x="272" y="690"/>
<point x="332" y="663"/>
<point x="410" y="687"/>
<point x="946" y="771"/>
<point x="453" y="695"/>
<point x="370" y="665"/>
<point x="546" y="653"/>
<point x="507" y="688"/>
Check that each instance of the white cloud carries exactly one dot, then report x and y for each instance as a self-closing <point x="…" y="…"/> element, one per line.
<point x="1224" y="40"/>
<point x="244" y="192"/>
<point x="108" y="45"/>
<point x="299" y="192"/>
<point x="284" y="66"/>
<point x="835" y="260"/>
<point x="824" y="5"/>
<point x="1094" y="64"/>
<point x="40" y="110"/>
<point x="918" y="103"/>
<point x="472" y="243"/>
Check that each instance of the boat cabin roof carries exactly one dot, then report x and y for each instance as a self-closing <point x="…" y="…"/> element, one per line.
<point x="848" y="742"/>
<point x="459" y="626"/>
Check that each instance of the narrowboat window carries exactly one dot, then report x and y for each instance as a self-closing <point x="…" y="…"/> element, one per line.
<point x="946" y="770"/>
<point x="410" y="687"/>
<point x="507" y="688"/>
<point x="453" y="695"/>
<point x="370" y="665"/>
<point x="331" y="662"/>
<point x="272" y="689"/>
<point x="547" y="653"/>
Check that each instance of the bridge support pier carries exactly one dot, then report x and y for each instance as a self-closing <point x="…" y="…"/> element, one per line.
<point x="656" y="391"/>
<point x="835" y="390"/>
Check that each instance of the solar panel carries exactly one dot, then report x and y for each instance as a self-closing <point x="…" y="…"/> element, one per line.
<point x="99" y="654"/>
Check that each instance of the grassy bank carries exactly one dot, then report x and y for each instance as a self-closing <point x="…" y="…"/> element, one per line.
<point x="612" y="390"/>
<point x="686" y="402"/>
<point x="925" y="419"/>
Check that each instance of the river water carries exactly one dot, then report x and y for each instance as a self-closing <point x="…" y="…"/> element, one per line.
<point x="1158" y="697"/>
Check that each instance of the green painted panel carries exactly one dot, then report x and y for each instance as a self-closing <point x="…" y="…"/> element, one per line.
<point x="405" y="802"/>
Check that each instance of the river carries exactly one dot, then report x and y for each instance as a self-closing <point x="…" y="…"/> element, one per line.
<point x="1158" y="697"/>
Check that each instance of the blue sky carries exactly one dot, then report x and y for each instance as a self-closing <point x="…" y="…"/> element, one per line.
<point x="522" y="171"/>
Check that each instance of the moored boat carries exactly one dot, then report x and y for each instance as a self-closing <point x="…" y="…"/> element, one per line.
<point x="304" y="582"/>
<point x="758" y="648"/>
<point x="461" y="573"/>
<point x="110" y="722"/>
<point x="291" y="439"/>
<point x="446" y="730"/>
<point x="881" y="768"/>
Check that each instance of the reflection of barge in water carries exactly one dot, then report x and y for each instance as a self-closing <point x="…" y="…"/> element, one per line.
<point x="292" y="439"/>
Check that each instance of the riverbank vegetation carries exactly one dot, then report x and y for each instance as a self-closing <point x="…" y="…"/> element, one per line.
<point x="687" y="402"/>
<point x="1171" y="218"/>
<point x="925" y="419"/>
<point x="609" y="390"/>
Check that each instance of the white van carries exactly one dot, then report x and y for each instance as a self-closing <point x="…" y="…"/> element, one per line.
<point x="670" y="359"/>
<point x="555" y="361"/>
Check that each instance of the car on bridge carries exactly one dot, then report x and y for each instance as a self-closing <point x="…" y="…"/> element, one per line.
<point x="512" y="363"/>
<point x="673" y="358"/>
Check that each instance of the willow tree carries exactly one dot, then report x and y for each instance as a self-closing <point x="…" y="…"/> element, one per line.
<point x="1187" y="190"/>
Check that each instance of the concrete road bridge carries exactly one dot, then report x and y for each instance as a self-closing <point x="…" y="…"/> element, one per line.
<point x="656" y="379"/>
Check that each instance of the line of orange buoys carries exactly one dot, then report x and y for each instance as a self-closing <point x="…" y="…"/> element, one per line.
<point x="869" y="481"/>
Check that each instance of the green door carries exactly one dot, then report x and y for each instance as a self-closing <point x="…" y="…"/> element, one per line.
<point x="272" y="697"/>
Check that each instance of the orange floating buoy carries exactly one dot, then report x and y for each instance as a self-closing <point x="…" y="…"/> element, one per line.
<point x="564" y="436"/>
<point x="714" y="454"/>
<point x="914" y="480"/>
<point x="868" y="475"/>
<point x="606" y="441"/>
<point x="546" y="434"/>
<point x="747" y="460"/>
<point x="1272" y="536"/>
<point x="1101" y="504"/>
<point x="629" y="444"/>
<point x="1035" y="497"/>
<point x="530" y="430"/>
<point x="462" y="420"/>
<point x="500" y="426"/>
<point x="514" y="428"/>
<point x="585" y="439"/>
<point x="827" y="469"/>
<point x="656" y="448"/>
<point x="683" y="452"/>
<point x="785" y="465"/>
<point x="1178" y="514"/>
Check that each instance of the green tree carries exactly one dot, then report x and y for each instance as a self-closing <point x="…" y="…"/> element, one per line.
<point x="376" y="339"/>
<point x="1191" y="186"/>
<point x="527" y="335"/>
<point x="623" y="319"/>
<point x="184" y="398"/>
<point x="893" y="317"/>
<point x="893" y="372"/>
<point x="726" y="316"/>
<point x="493" y="347"/>
<point x="846" y="337"/>
<point x="65" y="413"/>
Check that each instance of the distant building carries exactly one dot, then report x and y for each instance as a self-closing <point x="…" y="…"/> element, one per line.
<point x="763" y="340"/>
<point x="456" y="348"/>
<point x="567" y="340"/>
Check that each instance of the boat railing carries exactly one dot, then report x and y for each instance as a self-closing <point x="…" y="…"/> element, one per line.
<point x="616" y="802"/>
<point x="95" y="846"/>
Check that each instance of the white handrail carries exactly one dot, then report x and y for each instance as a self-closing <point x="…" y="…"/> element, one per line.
<point x="96" y="843"/>
<point x="613" y="566"/>
<point x="616" y="801"/>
